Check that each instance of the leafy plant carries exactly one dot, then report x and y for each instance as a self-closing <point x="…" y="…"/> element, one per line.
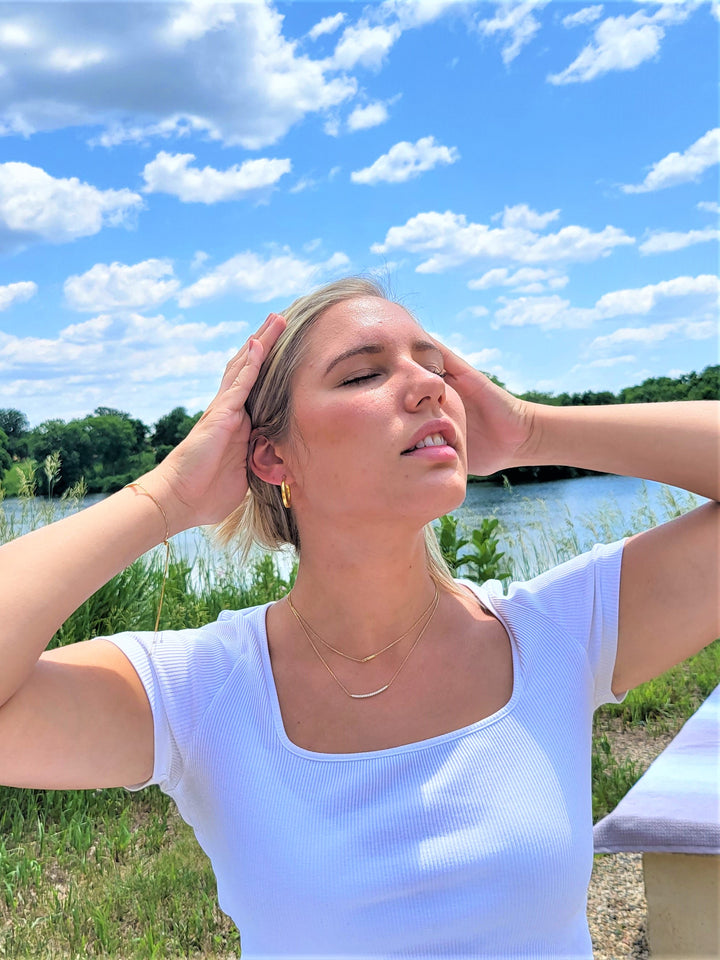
<point x="482" y="560"/>
<point x="611" y="778"/>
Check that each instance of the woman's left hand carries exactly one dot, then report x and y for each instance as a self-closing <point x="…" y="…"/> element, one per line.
<point x="499" y="426"/>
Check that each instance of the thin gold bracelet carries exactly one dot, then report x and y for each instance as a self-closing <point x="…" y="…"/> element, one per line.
<point x="136" y="484"/>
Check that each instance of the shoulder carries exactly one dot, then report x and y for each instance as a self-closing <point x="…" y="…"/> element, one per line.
<point x="197" y="658"/>
<point x="575" y="583"/>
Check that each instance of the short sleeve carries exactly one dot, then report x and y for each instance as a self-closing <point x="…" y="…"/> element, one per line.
<point x="182" y="672"/>
<point x="580" y="598"/>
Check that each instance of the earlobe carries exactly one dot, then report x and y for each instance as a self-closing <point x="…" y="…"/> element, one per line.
<point x="265" y="461"/>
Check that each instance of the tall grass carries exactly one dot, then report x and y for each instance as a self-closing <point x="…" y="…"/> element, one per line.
<point x="107" y="873"/>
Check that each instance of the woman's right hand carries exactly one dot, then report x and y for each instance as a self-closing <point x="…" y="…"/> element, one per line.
<point x="205" y="477"/>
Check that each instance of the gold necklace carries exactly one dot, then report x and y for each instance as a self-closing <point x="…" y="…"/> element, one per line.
<point x="301" y="619"/>
<point x="364" y="696"/>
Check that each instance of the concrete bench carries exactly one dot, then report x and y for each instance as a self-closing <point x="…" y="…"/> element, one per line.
<point x="672" y="817"/>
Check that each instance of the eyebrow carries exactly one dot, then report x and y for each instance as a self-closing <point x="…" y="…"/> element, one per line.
<point x="418" y="346"/>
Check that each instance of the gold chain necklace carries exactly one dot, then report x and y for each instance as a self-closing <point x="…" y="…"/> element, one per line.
<point x="303" y="622"/>
<point x="364" y="696"/>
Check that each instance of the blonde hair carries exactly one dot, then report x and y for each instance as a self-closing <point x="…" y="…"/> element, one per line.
<point x="261" y="518"/>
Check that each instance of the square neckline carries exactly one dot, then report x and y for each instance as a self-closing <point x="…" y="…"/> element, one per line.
<point x="398" y="749"/>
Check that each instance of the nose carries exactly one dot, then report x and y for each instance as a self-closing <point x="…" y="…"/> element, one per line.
<point x="423" y="386"/>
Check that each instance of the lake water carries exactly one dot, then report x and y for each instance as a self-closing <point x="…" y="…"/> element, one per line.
<point x="540" y="524"/>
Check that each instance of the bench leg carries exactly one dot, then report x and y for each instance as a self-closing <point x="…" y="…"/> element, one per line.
<point x="683" y="905"/>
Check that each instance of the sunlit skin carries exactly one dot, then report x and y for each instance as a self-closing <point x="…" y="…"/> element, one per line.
<point x="355" y="415"/>
<point x="360" y="500"/>
<point x="370" y="386"/>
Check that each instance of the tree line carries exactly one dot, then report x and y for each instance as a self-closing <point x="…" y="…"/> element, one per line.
<point x="102" y="452"/>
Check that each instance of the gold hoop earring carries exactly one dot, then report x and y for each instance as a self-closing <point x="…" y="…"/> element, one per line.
<point x="285" y="493"/>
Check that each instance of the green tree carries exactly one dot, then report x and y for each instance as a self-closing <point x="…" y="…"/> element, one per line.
<point x="74" y="445"/>
<point x="5" y="458"/>
<point x="114" y="441"/>
<point x="170" y="430"/>
<point x="15" y="425"/>
<point x="141" y="430"/>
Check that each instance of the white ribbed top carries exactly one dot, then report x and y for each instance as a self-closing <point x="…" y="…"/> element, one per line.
<point x="476" y="843"/>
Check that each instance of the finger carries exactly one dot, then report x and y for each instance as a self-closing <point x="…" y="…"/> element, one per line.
<point x="270" y="331"/>
<point x="454" y="365"/>
<point x="267" y="335"/>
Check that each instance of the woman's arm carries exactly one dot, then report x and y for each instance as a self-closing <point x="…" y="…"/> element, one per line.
<point x="670" y="578"/>
<point x="669" y="582"/>
<point x="78" y="716"/>
<point x="674" y="443"/>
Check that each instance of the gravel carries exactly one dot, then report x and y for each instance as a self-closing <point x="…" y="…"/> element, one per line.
<point x="617" y="909"/>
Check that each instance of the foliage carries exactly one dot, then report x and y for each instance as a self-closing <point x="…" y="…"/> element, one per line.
<point x="5" y="457"/>
<point x="171" y="429"/>
<point x="611" y="779"/>
<point x="14" y="424"/>
<point x="16" y="478"/>
<point x="482" y="557"/>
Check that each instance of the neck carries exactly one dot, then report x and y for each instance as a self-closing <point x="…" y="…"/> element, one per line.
<point x="377" y="587"/>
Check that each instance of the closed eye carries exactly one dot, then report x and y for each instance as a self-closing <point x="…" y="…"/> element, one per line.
<point x="358" y="379"/>
<point x="370" y="376"/>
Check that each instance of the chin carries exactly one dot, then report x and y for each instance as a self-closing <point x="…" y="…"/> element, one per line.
<point x="448" y="498"/>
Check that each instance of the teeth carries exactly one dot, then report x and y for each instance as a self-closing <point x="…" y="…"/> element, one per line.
<point x="434" y="440"/>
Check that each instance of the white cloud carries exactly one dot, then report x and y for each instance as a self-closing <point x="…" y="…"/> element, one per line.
<point x="200" y="258"/>
<point x="192" y="21"/>
<point x="480" y="359"/>
<point x="667" y="242"/>
<point x="604" y="362"/>
<point x="652" y="333"/>
<point x="525" y="280"/>
<point x="174" y="127"/>
<point x="142" y="329"/>
<point x="37" y="206"/>
<point x="16" y="293"/>
<point x="172" y="173"/>
<point x="709" y="206"/>
<point x="226" y="70"/>
<point x="18" y="352"/>
<point x="73" y="60"/>
<point x="418" y="13"/>
<point x="641" y="300"/>
<point x="365" y="45"/>
<point x="327" y="25"/>
<point x="15" y="34"/>
<point x="258" y="280"/>
<point x="619" y="43"/>
<point x="554" y="313"/>
<point x="583" y="16"/>
<point x="453" y="241"/>
<point x="406" y="160"/>
<point x="304" y="183"/>
<point x="515" y="20"/>
<point x="87" y="330"/>
<point x="522" y="216"/>
<point x="109" y="287"/>
<point x="371" y="115"/>
<point x="681" y="167"/>
<point x="111" y="360"/>
<point x="548" y="313"/>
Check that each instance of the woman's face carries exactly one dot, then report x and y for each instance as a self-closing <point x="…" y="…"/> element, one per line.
<point x="369" y="389"/>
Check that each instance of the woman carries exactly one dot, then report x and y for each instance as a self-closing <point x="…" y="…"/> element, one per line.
<point x="386" y="762"/>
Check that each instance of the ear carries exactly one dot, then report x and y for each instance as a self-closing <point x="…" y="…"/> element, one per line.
<point x="266" y="462"/>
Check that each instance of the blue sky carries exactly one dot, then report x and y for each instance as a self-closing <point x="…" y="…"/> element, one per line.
<point x="538" y="182"/>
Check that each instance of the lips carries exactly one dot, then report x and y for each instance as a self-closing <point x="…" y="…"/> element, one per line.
<point x="434" y="433"/>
